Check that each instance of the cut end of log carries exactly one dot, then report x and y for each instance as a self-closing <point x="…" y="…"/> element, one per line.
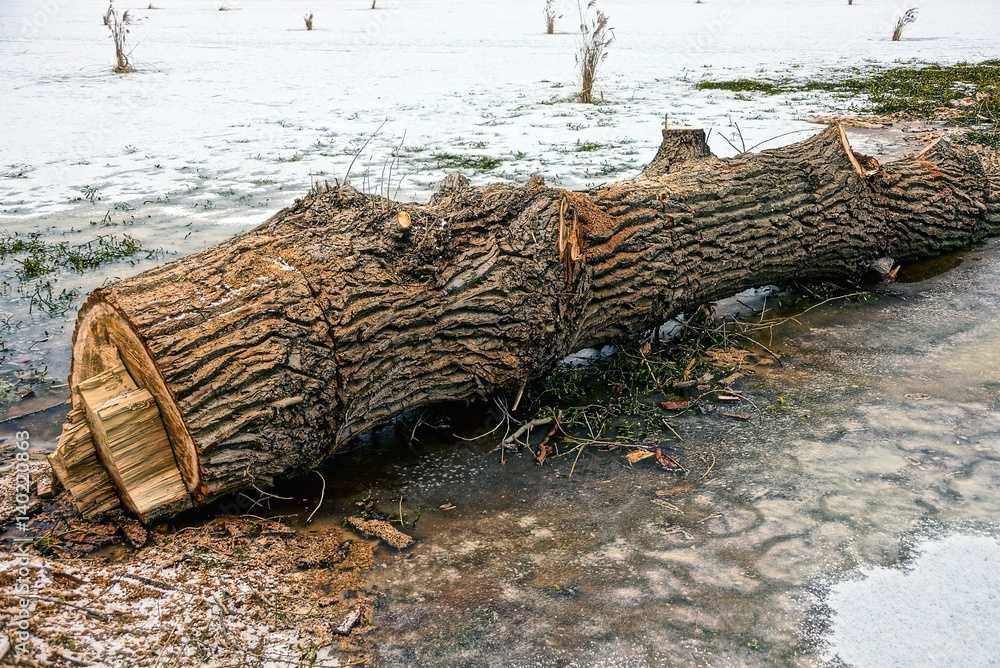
<point x="403" y="220"/>
<point x="116" y="448"/>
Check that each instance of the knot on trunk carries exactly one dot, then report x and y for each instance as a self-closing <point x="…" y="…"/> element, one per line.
<point x="678" y="145"/>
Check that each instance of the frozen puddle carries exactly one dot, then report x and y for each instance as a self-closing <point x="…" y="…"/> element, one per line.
<point x="940" y="610"/>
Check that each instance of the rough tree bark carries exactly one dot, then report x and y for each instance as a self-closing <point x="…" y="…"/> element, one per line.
<point x="267" y="353"/>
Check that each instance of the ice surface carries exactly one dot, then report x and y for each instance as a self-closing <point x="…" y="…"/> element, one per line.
<point x="942" y="611"/>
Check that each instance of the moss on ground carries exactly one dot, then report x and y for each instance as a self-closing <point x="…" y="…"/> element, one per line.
<point x="479" y="163"/>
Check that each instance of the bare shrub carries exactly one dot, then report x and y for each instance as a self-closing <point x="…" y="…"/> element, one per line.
<point x="550" y="17"/>
<point x="309" y="21"/>
<point x="906" y="19"/>
<point x="595" y="37"/>
<point x="118" y="26"/>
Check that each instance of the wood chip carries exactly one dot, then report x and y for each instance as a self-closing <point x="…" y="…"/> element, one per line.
<point x="349" y="622"/>
<point x="731" y="379"/>
<point x="134" y="532"/>
<point x="382" y="530"/>
<point x="44" y="487"/>
<point x="667" y="462"/>
<point x="671" y="405"/>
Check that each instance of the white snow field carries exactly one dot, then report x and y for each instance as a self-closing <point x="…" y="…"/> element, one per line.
<point x="236" y="111"/>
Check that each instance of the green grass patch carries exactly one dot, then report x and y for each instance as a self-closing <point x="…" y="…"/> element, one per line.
<point x="588" y="146"/>
<point x="479" y="163"/>
<point x="37" y="257"/>
<point x="743" y="86"/>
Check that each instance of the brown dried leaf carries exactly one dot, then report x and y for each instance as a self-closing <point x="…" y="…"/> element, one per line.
<point x="667" y="462"/>
<point x="633" y="456"/>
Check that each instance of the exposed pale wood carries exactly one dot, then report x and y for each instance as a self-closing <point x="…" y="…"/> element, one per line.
<point x="132" y="444"/>
<point x="103" y="339"/>
<point x="80" y="472"/>
<point x="271" y="351"/>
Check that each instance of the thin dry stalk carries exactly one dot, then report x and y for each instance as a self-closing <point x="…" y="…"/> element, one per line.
<point x="118" y="26"/>
<point x="906" y="19"/>
<point x="596" y="36"/>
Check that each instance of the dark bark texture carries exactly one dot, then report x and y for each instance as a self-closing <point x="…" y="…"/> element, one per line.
<point x="347" y="309"/>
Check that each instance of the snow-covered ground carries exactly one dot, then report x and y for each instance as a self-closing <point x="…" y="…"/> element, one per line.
<point x="232" y="114"/>
<point x="241" y="109"/>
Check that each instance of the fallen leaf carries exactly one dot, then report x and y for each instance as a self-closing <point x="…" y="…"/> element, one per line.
<point x="671" y="405"/>
<point x="633" y="456"/>
<point x="667" y="462"/>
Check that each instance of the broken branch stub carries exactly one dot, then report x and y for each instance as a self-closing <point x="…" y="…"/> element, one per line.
<point x="265" y="354"/>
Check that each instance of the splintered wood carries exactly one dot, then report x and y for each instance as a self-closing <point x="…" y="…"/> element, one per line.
<point x="115" y="439"/>
<point x="81" y="473"/>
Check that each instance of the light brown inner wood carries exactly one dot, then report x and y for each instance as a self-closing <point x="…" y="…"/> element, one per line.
<point x="103" y="340"/>
<point x="130" y="441"/>
<point x="76" y="465"/>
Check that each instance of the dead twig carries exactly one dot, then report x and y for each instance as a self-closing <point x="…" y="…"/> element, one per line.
<point x="322" y="494"/>
<point x="525" y="429"/>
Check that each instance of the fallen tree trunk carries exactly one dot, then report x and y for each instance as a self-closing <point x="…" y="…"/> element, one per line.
<point x="267" y="353"/>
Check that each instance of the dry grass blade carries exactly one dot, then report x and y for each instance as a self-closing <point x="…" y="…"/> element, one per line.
<point x="906" y="19"/>
<point x="117" y="25"/>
